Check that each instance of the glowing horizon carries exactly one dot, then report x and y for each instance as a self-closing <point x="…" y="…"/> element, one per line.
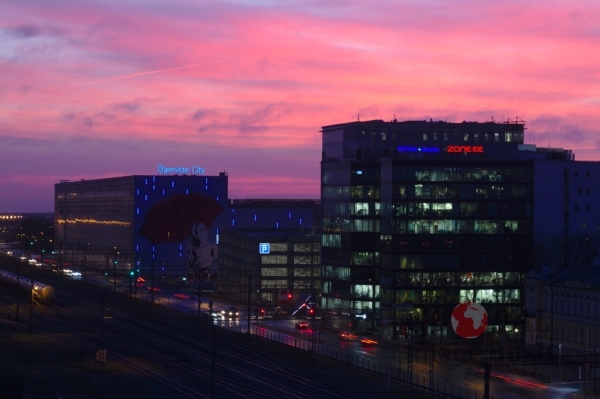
<point x="92" y="90"/>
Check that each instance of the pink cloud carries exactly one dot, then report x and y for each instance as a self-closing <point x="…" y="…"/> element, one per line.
<point x="273" y="74"/>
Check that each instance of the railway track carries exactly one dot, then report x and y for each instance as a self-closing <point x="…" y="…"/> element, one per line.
<point x="180" y="341"/>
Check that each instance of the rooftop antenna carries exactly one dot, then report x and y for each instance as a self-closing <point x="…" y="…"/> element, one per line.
<point x="358" y="117"/>
<point x="395" y="118"/>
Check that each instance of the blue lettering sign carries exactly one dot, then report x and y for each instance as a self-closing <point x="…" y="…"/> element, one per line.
<point x="404" y="148"/>
<point x="195" y="170"/>
<point x="264" y="248"/>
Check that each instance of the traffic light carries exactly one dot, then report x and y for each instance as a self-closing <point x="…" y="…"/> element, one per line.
<point x="131" y="272"/>
<point x="262" y="312"/>
<point x="311" y="312"/>
<point x="290" y="296"/>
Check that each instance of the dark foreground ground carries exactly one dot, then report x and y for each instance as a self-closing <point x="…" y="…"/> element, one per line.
<point x="48" y="368"/>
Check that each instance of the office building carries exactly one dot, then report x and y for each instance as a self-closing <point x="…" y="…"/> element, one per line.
<point x="421" y="216"/>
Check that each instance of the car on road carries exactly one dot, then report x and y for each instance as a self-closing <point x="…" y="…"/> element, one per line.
<point x="348" y="336"/>
<point x="230" y="313"/>
<point x="182" y="296"/>
<point x="302" y="325"/>
<point x="367" y="341"/>
<point x="155" y="289"/>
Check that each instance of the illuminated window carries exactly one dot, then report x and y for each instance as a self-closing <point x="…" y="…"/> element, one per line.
<point x="137" y="247"/>
<point x="486" y="137"/>
<point x="475" y="136"/>
<point x="233" y="222"/>
<point x="146" y="182"/>
<point x="153" y="187"/>
<point x="163" y="192"/>
<point x="137" y="191"/>
<point x="137" y="211"/>
<point x="424" y="136"/>
<point x="496" y="136"/>
<point x="277" y="225"/>
<point x="146" y="197"/>
<point x="153" y="179"/>
<point x="172" y="184"/>
<point x="300" y="220"/>
<point x="187" y="191"/>
<point x="232" y="210"/>
<point x="466" y="137"/>
<point x="434" y="136"/>
<point x="255" y="217"/>
<point x="289" y="215"/>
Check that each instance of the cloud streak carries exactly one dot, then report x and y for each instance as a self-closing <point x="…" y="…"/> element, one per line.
<point x="133" y="75"/>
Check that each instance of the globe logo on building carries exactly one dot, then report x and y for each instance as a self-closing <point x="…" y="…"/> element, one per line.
<point x="469" y="320"/>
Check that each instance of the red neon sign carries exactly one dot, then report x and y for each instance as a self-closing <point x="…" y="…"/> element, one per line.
<point x="465" y="148"/>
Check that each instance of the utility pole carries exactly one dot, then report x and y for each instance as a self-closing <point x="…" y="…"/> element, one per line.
<point x="248" y="315"/>
<point x="115" y="271"/>
<point x="213" y="368"/>
<point x="18" y="289"/>
<point x="31" y="310"/>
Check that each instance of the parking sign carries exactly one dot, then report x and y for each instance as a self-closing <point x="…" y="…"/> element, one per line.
<point x="264" y="248"/>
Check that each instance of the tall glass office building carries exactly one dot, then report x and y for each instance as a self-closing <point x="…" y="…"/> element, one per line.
<point x="421" y="216"/>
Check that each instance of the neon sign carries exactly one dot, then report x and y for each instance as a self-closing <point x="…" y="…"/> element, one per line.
<point x="194" y="170"/>
<point x="465" y="149"/>
<point x="404" y="148"/>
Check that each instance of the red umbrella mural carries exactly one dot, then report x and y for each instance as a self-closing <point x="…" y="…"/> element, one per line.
<point x="172" y="219"/>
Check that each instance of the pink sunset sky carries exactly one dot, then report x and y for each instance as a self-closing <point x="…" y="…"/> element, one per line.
<point x="94" y="89"/>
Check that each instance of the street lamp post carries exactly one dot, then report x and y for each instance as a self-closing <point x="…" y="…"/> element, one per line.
<point x="560" y="362"/>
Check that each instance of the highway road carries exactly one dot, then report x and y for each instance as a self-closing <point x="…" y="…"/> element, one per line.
<point x="449" y="375"/>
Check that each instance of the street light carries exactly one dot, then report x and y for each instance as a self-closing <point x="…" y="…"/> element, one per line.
<point x="560" y="362"/>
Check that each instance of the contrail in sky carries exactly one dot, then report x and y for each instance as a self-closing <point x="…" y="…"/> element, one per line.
<point x="133" y="75"/>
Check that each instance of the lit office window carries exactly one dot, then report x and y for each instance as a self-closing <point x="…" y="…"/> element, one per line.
<point x="146" y="182"/>
<point x="163" y="192"/>
<point x="187" y="191"/>
<point x="172" y="184"/>
<point x="180" y="247"/>
<point x="137" y="192"/>
<point x="153" y="248"/>
<point x="145" y="197"/>
<point x="153" y="179"/>
<point x="137" y="211"/>
<point x="153" y="187"/>
<point x="300" y="220"/>
<point x="289" y="215"/>
<point x="277" y="225"/>
<point x="255" y="218"/>
<point x="137" y="247"/>
<point x="233" y="222"/>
